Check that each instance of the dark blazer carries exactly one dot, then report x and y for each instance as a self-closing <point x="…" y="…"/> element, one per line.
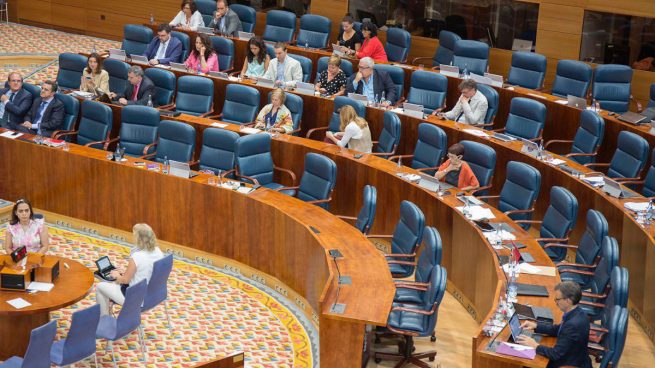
<point x="146" y="89"/>
<point x="572" y="340"/>
<point x="18" y="107"/>
<point x="173" y="51"/>
<point x="232" y="23"/>
<point x="53" y="116"/>
<point x="381" y="82"/>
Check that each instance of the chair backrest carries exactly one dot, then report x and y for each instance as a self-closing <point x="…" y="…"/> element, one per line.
<point x="72" y="109"/>
<point x="588" y="137"/>
<point x="295" y="104"/>
<point x="521" y="189"/>
<point x="305" y="64"/>
<point x="572" y="78"/>
<point x="428" y="89"/>
<point x="241" y="104"/>
<point x="129" y="317"/>
<point x="253" y="157"/>
<point x="390" y="135"/>
<point x="71" y="66"/>
<point x="614" y="340"/>
<point x="164" y="81"/>
<point x="473" y="55"/>
<point x="408" y="233"/>
<point x="177" y="141"/>
<point x="247" y="16"/>
<point x="446" y="50"/>
<point x="493" y="100"/>
<point x="280" y="26"/>
<point x="651" y="101"/>
<point x="526" y="118"/>
<point x="596" y="230"/>
<point x="270" y="50"/>
<point x="398" y="44"/>
<point x="618" y="295"/>
<point x="186" y="44"/>
<point x="318" y="179"/>
<point x="136" y="39"/>
<point x="630" y="156"/>
<point x="609" y="258"/>
<point x="397" y="76"/>
<point x="117" y="71"/>
<point x="81" y="339"/>
<point x="217" y="152"/>
<point x="139" y="126"/>
<point x="224" y="48"/>
<point x="482" y="160"/>
<point x="339" y="102"/>
<point x="430" y="254"/>
<point x="34" y="90"/>
<point x="157" y="290"/>
<point x="648" y="189"/>
<point x="95" y="123"/>
<point x="314" y="31"/>
<point x="366" y="214"/>
<point x="322" y="65"/>
<point x="41" y="339"/>
<point x="433" y="295"/>
<point x="612" y="83"/>
<point x="207" y="9"/>
<point x="528" y="69"/>
<point x="195" y="95"/>
<point x="430" y="148"/>
<point x="560" y="217"/>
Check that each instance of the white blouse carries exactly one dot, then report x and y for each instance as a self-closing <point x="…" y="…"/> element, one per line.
<point x="195" y="21"/>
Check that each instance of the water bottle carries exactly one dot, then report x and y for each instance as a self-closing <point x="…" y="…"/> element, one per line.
<point x="166" y="165"/>
<point x="512" y="287"/>
<point x="220" y="178"/>
<point x="540" y="153"/>
<point x="117" y="154"/>
<point x="383" y="99"/>
<point x="199" y="68"/>
<point x="306" y="44"/>
<point x="498" y="239"/>
<point x="152" y="19"/>
<point x="466" y="73"/>
<point x="466" y="211"/>
<point x="268" y="123"/>
<point x="596" y="105"/>
<point x="149" y="104"/>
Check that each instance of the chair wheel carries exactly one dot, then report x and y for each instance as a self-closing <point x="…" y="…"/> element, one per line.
<point x="377" y="360"/>
<point x="433" y="338"/>
<point x="431" y="359"/>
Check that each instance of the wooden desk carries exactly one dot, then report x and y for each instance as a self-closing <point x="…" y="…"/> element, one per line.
<point x="72" y="285"/>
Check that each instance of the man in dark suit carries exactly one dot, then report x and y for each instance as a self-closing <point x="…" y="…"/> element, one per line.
<point x="225" y="21"/>
<point x="138" y="91"/>
<point x="164" y="48"/>
<point x="14" y="102"/>
<point x="372" y="83"/>
<point x="572" y="334"/>
<point x="46" y="114"/>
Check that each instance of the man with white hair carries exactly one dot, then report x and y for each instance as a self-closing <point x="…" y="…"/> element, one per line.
<point x="372" y="83"/>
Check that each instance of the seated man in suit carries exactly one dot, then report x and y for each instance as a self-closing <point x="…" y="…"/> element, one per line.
<point x="372" y="83"/>
<point x="164" y="48"/>
<point x="225" y="21"/>
<point x="14" y="102"/>
<point x="46" y="114"/>
<point x="572" y="334"/>
<point x="138" y="91"/>
<point x="471" y="107"/>
<point x="284" y="70"/>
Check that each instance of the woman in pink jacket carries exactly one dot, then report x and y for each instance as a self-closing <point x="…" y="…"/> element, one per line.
<point x="202" y="59"/>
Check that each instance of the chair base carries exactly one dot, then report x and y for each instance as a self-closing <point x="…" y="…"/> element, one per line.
<point x="405" y="356"/>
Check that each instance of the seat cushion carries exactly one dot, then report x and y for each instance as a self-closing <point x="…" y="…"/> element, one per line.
<point x="400" y="270"/>
<point x="406" y="320"/>
<point x="568" y="276"/>
<point x="106" y="328"/>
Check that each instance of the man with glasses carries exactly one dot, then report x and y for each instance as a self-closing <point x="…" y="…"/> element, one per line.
<point x="47" y="112"/>
<point x="225" y="20"/>
<point x="138" y="91"/>
<point x="572" y="334"/>
<point x="471" y="108"/>
<point x="164" y="48"/>
<point x="372" y="83"/>
<point x="14" y="102"/>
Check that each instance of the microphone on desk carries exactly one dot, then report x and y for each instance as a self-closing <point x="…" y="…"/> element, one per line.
<point x="338" y="308"/>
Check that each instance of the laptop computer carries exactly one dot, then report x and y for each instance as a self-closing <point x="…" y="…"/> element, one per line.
<point x="246" y="36"/>
<point x="358" y="97"/>
<point x="206" y="30"/>
<point x="449" y="70"/>
<point x="432" y="184"/>
<point x="496" y="80"/>
<point x="577" y="102"/>
<point x="471" y="200"/>
<point x="614" y="189"/>
<point x="503" y="137"/>
<point x="543" y="314"/>
<point x="516" y="330"/>
<point x="117" y="54"/>
<point x="305" y="87"/>
<point x="631" y="118"/>
<point x="104" y="268"/>
<point x="530" y="147"/>
<point x="517" y="256"/>
<point x="140" y="59"/>
<point x="179" y="67"/>
<point x="265" y="82"/>
<point x="181" y="169"/>
<point x="521" y="45"/>
<point x="414" y="110"/>
<point x="219" y="75"/>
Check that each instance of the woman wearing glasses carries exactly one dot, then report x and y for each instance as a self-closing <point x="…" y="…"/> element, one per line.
<point x="24" y="230"/>
<point x="189" y="18"/>
<point x="455" y="171"/>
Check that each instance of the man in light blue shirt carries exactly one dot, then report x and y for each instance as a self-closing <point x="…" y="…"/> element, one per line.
<point x="283" y="69"/>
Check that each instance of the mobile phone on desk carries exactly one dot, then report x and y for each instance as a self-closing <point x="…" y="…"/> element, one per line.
<point x="358" y="155"/>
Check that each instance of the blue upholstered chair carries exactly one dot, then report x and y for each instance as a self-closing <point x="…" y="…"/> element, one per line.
<point x="96" y="120"/>
<point x="482" y="160"/>
<point x="224" y="48"/>
<point x="366" y="215"/>
<point x="34" y="90"/>
<point x="314" y="31"/>
<point x="612" y="345"/>
<point x="430" y="149"/>
<point x="270" y="50"/>
<point x="339" y="102"/>
<point x="117" y="71"/>
<point x="207" y="9"/>
<point x="611" y="87"/>
<point x="428" y="89"/>
<point x="72" y="110"/>
<point x="247" y="16"/>
<point x="519" y="192"/>
<point x="405" y="239"/>
<point x="473" y="55"/>
<point x="445" y="50"/>
<point x="255" y="163"/>
<point x="318" y="180"/>
<point x="138" y="134"/>
<point x="398" y="44"/>
<point x="617" y="297"/>
<point x="280" y="26"/>
<point x="648" y="189"/>
<point x="80" y="343"/>
<point x="389" y="139"/>
<point x="558" y="221"/>
<point x="195" y="96"/>
<point x="217" y="151"/>
<point x="177" y="142"/>
<point x="322" y="64"/>
<point x="305" y="64"/>
<point x="629" y="158"/>
<point x="599" y="282"/>
<point x="295" y="104"/>
<point x="526" y="119"/>
<point x="572" y="78"/>
<point x="241" y="104"/>
<point x="397" y="76"/>
<point x="71" y="66"/>
<point x="186" y="44"/>
<point x="37" y="354"/>
<point x="136" y="39"/>
<point x="165" y="82"/>
<point x="587" y="140"/>
<point x="493" y="101"/>
<point x="157" y="291"/>
<point x="528" y="70"/>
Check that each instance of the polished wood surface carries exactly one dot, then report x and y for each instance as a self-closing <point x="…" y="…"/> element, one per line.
<point x="231" y="361"/>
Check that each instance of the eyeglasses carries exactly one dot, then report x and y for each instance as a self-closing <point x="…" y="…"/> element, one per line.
<point x="558" y="299"/>
<point x="15" y="81"/>
<point x="364" y="67"/>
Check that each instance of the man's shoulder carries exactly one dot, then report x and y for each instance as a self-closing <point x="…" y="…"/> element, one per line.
<point x="147" y="82"/>
<point x="175" y="41"/>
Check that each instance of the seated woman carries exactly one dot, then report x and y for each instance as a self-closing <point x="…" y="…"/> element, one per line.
<point x="256" y="62"/>
<point x="332" y="81"/>
<point x="353" y="131"/>
<point x="139" y="267"/>
<point x="189" y="18"/>
<point x="24" y="230"/>
<point x="456" y="172"/>
<point x="94" y="78"/>
<point x="371" y="46"/>
<point x="202" y="58"/>
<point x="275" y="116"/>
<point x="349" y="39"/>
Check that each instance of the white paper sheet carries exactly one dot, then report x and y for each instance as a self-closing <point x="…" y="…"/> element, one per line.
<point x="18" y="303"/>
<point x="478" y="212"/>
<point x="40" y="286"/>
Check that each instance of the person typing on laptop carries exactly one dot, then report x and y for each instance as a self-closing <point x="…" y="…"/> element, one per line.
<point x="456" y="171"/>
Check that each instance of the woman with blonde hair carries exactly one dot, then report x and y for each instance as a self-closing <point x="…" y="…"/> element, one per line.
<point x="275" y="116"/>
<point x="139" y="267"/>
<point x="353" y="131"/>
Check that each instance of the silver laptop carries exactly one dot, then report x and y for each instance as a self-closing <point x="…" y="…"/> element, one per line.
<point x="496" y="80"/>
<point x="219" y="75"/>
<point x="139" y="59"/>
<point x="449" y="70"/>
<point x="530" y="148"/>
<point x="305" y="87"/>
<point x="358" y="97"/>
<point x="179" y="67"/>
<point x="577" y="102"/>
<point x="632" y="118"/>
<point x="181" y="169"/>
<point x="413" y="110"/>
<point x="432" y="184"/>
<point x="503" y="137"/>
<point x="246" y="36"/>
<point x="206" y="30"/>
<point x="117" y="54"/>
<point x="521" y="45"/>
<point x="471" y="200"/>
<point x="480" y="79"/>
<point x="265" y="82"/>
<point x="612" y="188"/>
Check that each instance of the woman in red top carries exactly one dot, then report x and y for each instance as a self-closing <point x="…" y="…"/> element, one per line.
<point x="371" y="47"/>
<point x="457" y="172"/>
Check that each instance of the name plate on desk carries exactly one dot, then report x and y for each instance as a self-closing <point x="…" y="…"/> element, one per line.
<point x="117" y="54"/>
<point x="530" y="148"/>
<point x="219" y="75"/>
<point x="413" y="110"/>
<point x="265" y="82"/>
<point x="206" y="30"/>
<point x="449" y="70"/>
<point x="496" y="80"/>
<point x="482" y="80"/>
<point x="139" y="59"/>
<point x="358" y="97"/>
<point x="246" y="36"/>
<point x="179" y="67"/>
<point x="303" y="87"/>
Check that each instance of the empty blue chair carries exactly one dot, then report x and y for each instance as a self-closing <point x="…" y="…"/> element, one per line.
<point x="157" y="291"/>
<point x="280" y="26"/>
<point x="241" y="104"/>
<point x="611" y="87"/>
<point x="305" y="64"/>
<point x="295" y="104"/>
<point x="117" y="71"/>
<point x="519" y="192"/>
<point x="397" y="76"/>
<point x="526" y="119"/>
<point x="473" y="55"/>
<point x="322" y="64"/>
<point x="318" y="180"/>
<point x="618" y="296"/>
<point x="96" y="120"/>
<point x="247" y="16"/>
<point x="572" y="78"/>
<point x="586" y="253"/>
<point x="614" y="342"/>
<point x="389" y="139"/>
<point x="177" y="142"/>
<point x="314" y="31"/>
<point x="72" y="110"/>
<point x="629" y="158"/>
<point x="598" y="285"/>
<point x="195" y="95"/>
<point x="444" y="52"/>
<point x="366" y="215"/>
<point x="430" y="149"/>
<point x="428" y="89"/>
<point x="482" y="160"/>
<point x="648" y="189"/>
<point x="186" y="44"/>
<point x="255" y="163"/>
<point x="398" y="44"/>
<point x="80" y="343"/>
<point x="339" y="102"/>
<point x="493" y="100"/>
<point x="136" y="39"/>
<point x="587" y="140"/>
<point x="207" y="9"/>
<point x="37" y="354"/>
<point x="528" y="70"/>
<point x="71" y="66"/>
<point x="651" y="101"/>
<point x="217" y="152"/>
<point x="164" y="81"/>
<point x="138" y="132"/>
<point x="430" y="257"/>
<point x="224" y="48"/>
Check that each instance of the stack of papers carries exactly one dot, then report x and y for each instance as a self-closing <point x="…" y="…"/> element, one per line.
<point x="478" y="212"/>
<point x="556" y="162"/>
<point x="11" y="135"/>
<point x="636" y="206"/>
<point x="476" y="132"/>
<point x="18" y="303"/>
<point x="40" y="286"/>
<point x="219" y="125"/>
<point x="248" y="130"/>
<point x="504" y="236"/>
<point x="532" y="270"/>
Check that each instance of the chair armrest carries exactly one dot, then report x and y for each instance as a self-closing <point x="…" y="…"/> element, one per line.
<point x="512" y="212"/>
<point x="64" y="133"/>
<point x="148" y="147"/>
<point x="168" y="107"/>
<point x="145" y="157"/>
<point x="429" y="58"/>
<point x="576" y="265"/>
<point x="408" y="282"/>
<point x="347" y="217"/>
<point x="411" y="287"/>
<point x="225" y="173"/>
<point x="594" y="346"/>
<point x="592" y="304"/>
<point x="487" y="196"/>
<point x="382" y="154"/>
<point x="216" y="117"/>
<point x="557" y="245"/>
<point x="637" y="182"/>
<point x="104" y="147"/>
<point x="235" y="73"/>
<point x="581" y="154"/>
<point x="484" y="125"/>
<point x="417" y="311"/>
<point x="598" y="328"/>
<point x="406" y="263"/>
<point x="208" y="113"/>
<point x="399" y="157"/>
<point x="110" y="141"/>
<point x="250" y="178"/>
<point x="580" y="272"/>
<point x="428" y="168"/>
<point x="621" y="180"/>
<point x="597" y="164"/>
<point x="556" y="141"/>
<point x="562" y="240"/>
<point x="595" y="296"/>
<point x="293" y="176"/>
<point x="311" y="131"/>
<point x="498" y="130"/>
<point x="528" y="222"/>
<point x="227" y="70"/>
<point x="380" y="236"/>
<point x="400" y="255"/>
<point x="486" y="187"/>
<point x="286" y="188"/>
<point x="319" y="201"/>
